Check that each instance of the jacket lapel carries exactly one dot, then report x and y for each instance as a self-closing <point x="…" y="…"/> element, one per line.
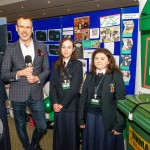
<point x="35" y="51"/>
<point x="70" y="63"/>
<point x="91" y="80"/>
<point x="107" y="81"/>
<point x="18" y="48"/>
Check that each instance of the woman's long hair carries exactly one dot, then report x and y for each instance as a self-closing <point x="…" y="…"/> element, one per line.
<point x="112" y="63"/>
<point x="59" y="62"/>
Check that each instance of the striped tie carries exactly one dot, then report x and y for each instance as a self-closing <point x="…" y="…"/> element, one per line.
<point x="64" y="64"/>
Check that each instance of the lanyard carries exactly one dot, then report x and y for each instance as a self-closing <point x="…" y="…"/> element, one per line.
<point x="96" y="87"/>
<point x="66" y="75"/>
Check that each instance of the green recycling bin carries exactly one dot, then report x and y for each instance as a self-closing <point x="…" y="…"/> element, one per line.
<point x="137" y="111"/>
<point x="145" y="44"/>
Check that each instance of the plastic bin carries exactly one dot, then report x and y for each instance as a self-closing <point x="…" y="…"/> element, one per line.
<point x="145" y="44"/>
<point x="137" y="111"/>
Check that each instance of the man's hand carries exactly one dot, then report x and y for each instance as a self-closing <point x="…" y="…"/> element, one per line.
<point x="32" y="79"/>
<point x="25" y="72"/>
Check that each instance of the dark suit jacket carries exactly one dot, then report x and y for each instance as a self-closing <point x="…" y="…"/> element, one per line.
<point x="13" y="61"/>
<point x="69" y="99"/>
<point x="4" y="138"/>
<point x="111" y="116"/>
<point x="1" y="59"/>
<point x="3" y="94"/>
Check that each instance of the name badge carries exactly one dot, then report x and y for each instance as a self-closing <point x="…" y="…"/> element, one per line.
<point x="66" y="86"/>
<point x="94" y="101"/>
<point x="112" y="88"/>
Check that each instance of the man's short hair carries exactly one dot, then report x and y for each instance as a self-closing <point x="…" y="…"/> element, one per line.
<point x="24" y="17"/>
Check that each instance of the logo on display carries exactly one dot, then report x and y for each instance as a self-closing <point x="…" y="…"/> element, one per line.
<point x="1" y="129"/>
<point x="137" y="141"/>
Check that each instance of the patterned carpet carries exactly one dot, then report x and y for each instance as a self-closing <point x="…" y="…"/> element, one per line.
<point x="46" y="142"/>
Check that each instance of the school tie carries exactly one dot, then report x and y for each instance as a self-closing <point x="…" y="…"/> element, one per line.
<point x="64" y="64"/>
<point x="100" y="74"/>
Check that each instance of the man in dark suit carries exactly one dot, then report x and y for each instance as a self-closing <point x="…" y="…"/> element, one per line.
<point x="26" y="81"/>
<point x="1" y="59"/>
<point x="4" y="132"/>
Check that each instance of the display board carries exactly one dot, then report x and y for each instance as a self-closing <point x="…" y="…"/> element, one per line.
<point x="128" y="55"/>
<point x="3" y="35"/>
<point x="89" y="31"/>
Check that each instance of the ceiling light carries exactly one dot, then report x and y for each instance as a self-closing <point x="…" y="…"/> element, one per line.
<point x="68" y="9"/>
<point x="6" y="2"/>
<point x="48" y="2"/>
<point x="97" y="5"/>
<point x="1" y="11"/>
<point x="21" y="6"/>
<point x="44" y="13"/>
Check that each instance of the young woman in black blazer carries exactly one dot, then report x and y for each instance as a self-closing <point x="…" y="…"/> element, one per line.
<point x="102" y="123"/>
<point x="65" y="82"/>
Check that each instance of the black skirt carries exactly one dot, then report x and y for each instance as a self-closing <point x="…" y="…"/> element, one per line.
<point x="65" y="135"/>
<point x="95" y="137"/>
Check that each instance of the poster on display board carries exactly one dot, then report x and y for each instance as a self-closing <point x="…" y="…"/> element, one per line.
<point x="128" y="52"/>
<point x="110" y="20"/>
<point x="53" y="49"/>
<point x="79" y="49"/>
<point x="128" y="28"/>
<point x="110" y="34"/>
<point x="54" y="35"/>
<point x="41" y="35"/>
<point x="94" y="33"/>
<point x="81" y="28"/>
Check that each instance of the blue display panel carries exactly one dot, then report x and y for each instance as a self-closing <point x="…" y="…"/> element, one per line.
<point x="52" y="30"/>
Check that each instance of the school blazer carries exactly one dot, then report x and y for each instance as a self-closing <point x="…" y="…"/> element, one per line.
<point x="13" y="61"/>
<point x="111" y="116"/>
<point x="69" y="99"/>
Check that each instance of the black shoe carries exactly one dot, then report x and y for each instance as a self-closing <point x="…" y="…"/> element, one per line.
<point x="28" y="117"/>
<point x="50" y="125"/>
<point x="38" y="147"/>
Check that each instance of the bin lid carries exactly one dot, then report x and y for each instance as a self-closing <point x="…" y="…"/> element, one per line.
<point x="133" y="100"/>
<point x="141" y="115"/>
<point x="145" y="17"/>
<point x="146" y="11"/>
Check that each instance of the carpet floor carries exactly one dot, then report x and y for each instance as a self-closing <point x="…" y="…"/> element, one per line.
<point x="46" y="142"/>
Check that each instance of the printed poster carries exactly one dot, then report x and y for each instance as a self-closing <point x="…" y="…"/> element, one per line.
<point x="81" y="28"/>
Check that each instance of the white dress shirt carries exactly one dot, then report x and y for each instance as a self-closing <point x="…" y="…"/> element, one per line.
<point x="101" y="71"/>
<point x="28" y="50"/>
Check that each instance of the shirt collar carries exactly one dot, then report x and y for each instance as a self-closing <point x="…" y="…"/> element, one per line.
<point x="66" y="62"/>
<point x="101" y="71"/>
<point x="22" y="43"/>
